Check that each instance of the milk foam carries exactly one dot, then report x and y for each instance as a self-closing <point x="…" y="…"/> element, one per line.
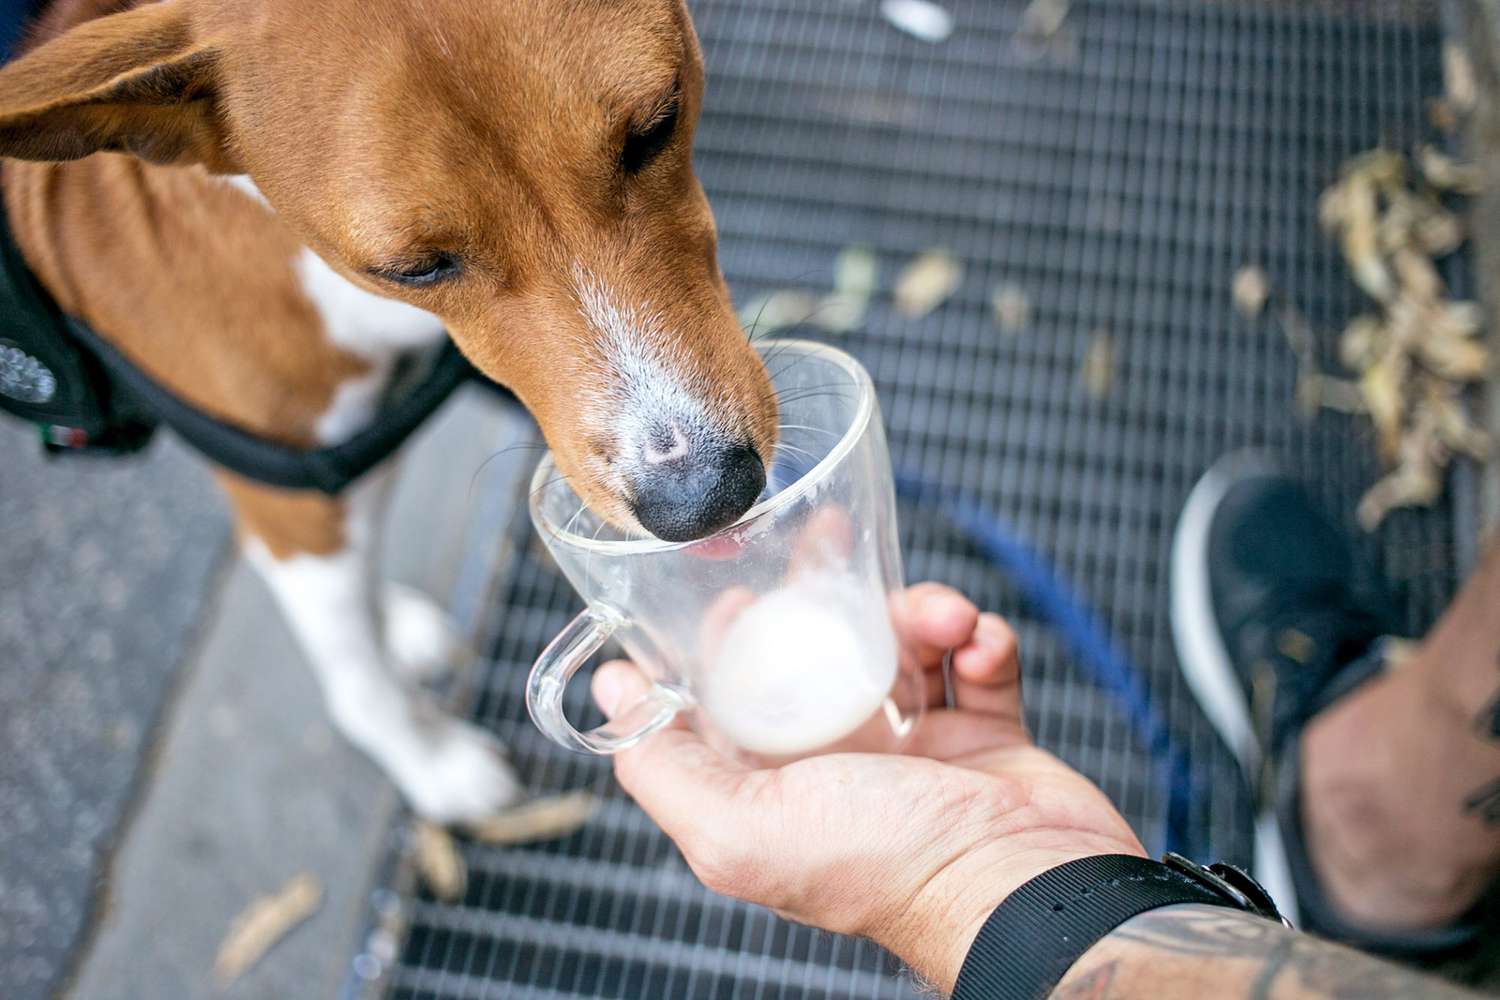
<point x="803" y="666"/>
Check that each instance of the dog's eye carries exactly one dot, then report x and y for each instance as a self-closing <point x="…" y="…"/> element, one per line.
<point x="644" y="142"/>
<point x="428" y="271"/>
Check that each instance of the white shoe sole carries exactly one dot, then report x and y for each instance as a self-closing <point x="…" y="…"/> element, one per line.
<point x="1205" y="662"/>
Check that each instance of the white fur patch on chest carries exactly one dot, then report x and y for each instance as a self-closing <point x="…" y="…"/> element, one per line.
<point x="353" y="406"/>
<point x="370" y="326"/>
<point x="242" y="182"/>
<point x="376" y="329"/>
<point x="361" y="322"/>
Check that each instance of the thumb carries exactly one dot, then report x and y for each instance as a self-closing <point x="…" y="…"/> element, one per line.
<point x="616" y="686"/>
<point x="684" y="784"/>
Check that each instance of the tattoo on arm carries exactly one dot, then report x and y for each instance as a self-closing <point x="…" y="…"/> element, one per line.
<point x="1487" y="722"/>
<point x="1484" y="802"/>
<point x="1282" y="960"/>
<point x="1276" y="961"/>
<point x="1094" y="986"/>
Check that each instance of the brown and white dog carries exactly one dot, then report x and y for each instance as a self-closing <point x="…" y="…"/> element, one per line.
<point x="263" y="203"/>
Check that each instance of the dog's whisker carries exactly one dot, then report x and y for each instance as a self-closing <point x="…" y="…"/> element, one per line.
<point x="568" y="527"/>
<point x="589" y="559"/>
<point x="559" y="478"/>
<point x="474" y="479"/>
<point x="783" y="446"/>
<point x="804" y="356"/>
<point x="805" y="427"/>
<point x="801" y="396"/>
<point x="753" y="330"/>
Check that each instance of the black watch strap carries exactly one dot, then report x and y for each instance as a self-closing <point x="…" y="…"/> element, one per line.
<point x="1043" y="927"/>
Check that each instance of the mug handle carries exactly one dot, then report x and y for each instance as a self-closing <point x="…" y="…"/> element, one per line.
<point x="581" y="639"/>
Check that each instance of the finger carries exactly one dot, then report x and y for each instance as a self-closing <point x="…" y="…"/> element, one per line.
<point x="987" y="670"/>
<point x="990" y="657"/>
<point x="679" y="780"/>
<point x="824" y="543"/>
<point x="618" y="686"/>
<point x="720" y="615"/>
<point x="931" y="619"/>
<point x="935" y="688"/>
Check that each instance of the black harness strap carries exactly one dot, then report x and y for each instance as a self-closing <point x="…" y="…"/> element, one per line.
<point x="328" y="469"/>
<point x="88" y="398"/>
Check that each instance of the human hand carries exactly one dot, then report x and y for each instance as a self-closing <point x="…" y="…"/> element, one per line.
<point x="913" y="851"/>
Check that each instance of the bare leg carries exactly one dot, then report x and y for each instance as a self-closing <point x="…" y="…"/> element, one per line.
<point x="1401" y="780"/>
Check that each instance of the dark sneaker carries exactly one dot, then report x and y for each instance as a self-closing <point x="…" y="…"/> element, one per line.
<point x="1269" y="626"/>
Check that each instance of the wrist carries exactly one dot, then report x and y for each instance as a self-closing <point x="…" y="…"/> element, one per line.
<point x="935" y="931"/>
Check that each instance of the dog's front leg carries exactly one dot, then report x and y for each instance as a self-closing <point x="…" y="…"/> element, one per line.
<point x="319" y="557"/>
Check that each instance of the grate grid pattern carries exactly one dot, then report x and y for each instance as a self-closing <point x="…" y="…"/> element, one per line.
<point x="1121" y="186"/>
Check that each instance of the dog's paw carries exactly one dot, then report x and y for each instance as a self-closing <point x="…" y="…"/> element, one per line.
<point x="423" y="641"/>
<point x="465" y="777"/>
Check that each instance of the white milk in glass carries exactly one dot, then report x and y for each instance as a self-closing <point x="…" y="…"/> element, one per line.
<point x="803" y="666"/>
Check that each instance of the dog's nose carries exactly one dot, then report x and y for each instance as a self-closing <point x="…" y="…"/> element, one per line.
<point x="687" y="489"/>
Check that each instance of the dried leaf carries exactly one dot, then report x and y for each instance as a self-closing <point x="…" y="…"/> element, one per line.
<point x="839" y="313"/>
<point x="856" y="271"/>
<point x="1331" y="208"/>
<point x="1404" y="486"/>
<point x="1442" y="115"/>
<point x="1458" y="319"/>
<point x="541" y="819"/>
<point x="263" y="923"/>
<point x="1251" y="289"/>
<point x="1361" y="249"/>
<point x="1041" y="18"/>
<point x="1417" y="479"/>
<point x="1098" y="369"/>
<point x="854" y="278"/>
<point x="1381" y="385"/>
<point x="1315" y="391"/>
<point x="438" y="862"/>
<point x="1454" y="428"/>
<point x="1295" y="644"/>
<point x="1438" y="233"/>
<point x="1418" y="349"/>
<point x="1406" y="319"/>
<point x="769" y="313"/>
<point x="1458" y="78"/>
<point x="1362" y="343"/>
<point x="919" y="18"/>
<point x="1459" y="359"/>
<point x="1382" y="167"/>
<point x="1447" y="174"/>
<point x="1012" y="307"/>
<point x="926" y="283"/>
<point x="1416" y="276"/>
<point x="1341" y="395"/>
<point x="1309" y="394"/>
<point x="1410" y="219"/>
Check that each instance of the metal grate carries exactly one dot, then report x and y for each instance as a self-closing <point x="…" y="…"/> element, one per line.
<point x="1119" y="179"/>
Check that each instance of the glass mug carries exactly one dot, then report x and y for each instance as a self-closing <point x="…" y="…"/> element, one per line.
<point x="774" y="634"/>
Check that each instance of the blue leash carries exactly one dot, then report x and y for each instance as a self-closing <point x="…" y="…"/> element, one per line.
<point x="1081" y="631"/>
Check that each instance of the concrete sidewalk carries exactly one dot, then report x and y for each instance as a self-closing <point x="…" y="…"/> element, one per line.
<point x="105" y="570"/>
<point x="249" y="784"/>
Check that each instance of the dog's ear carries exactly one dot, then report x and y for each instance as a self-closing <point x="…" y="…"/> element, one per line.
<point x="135" y="82"/>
